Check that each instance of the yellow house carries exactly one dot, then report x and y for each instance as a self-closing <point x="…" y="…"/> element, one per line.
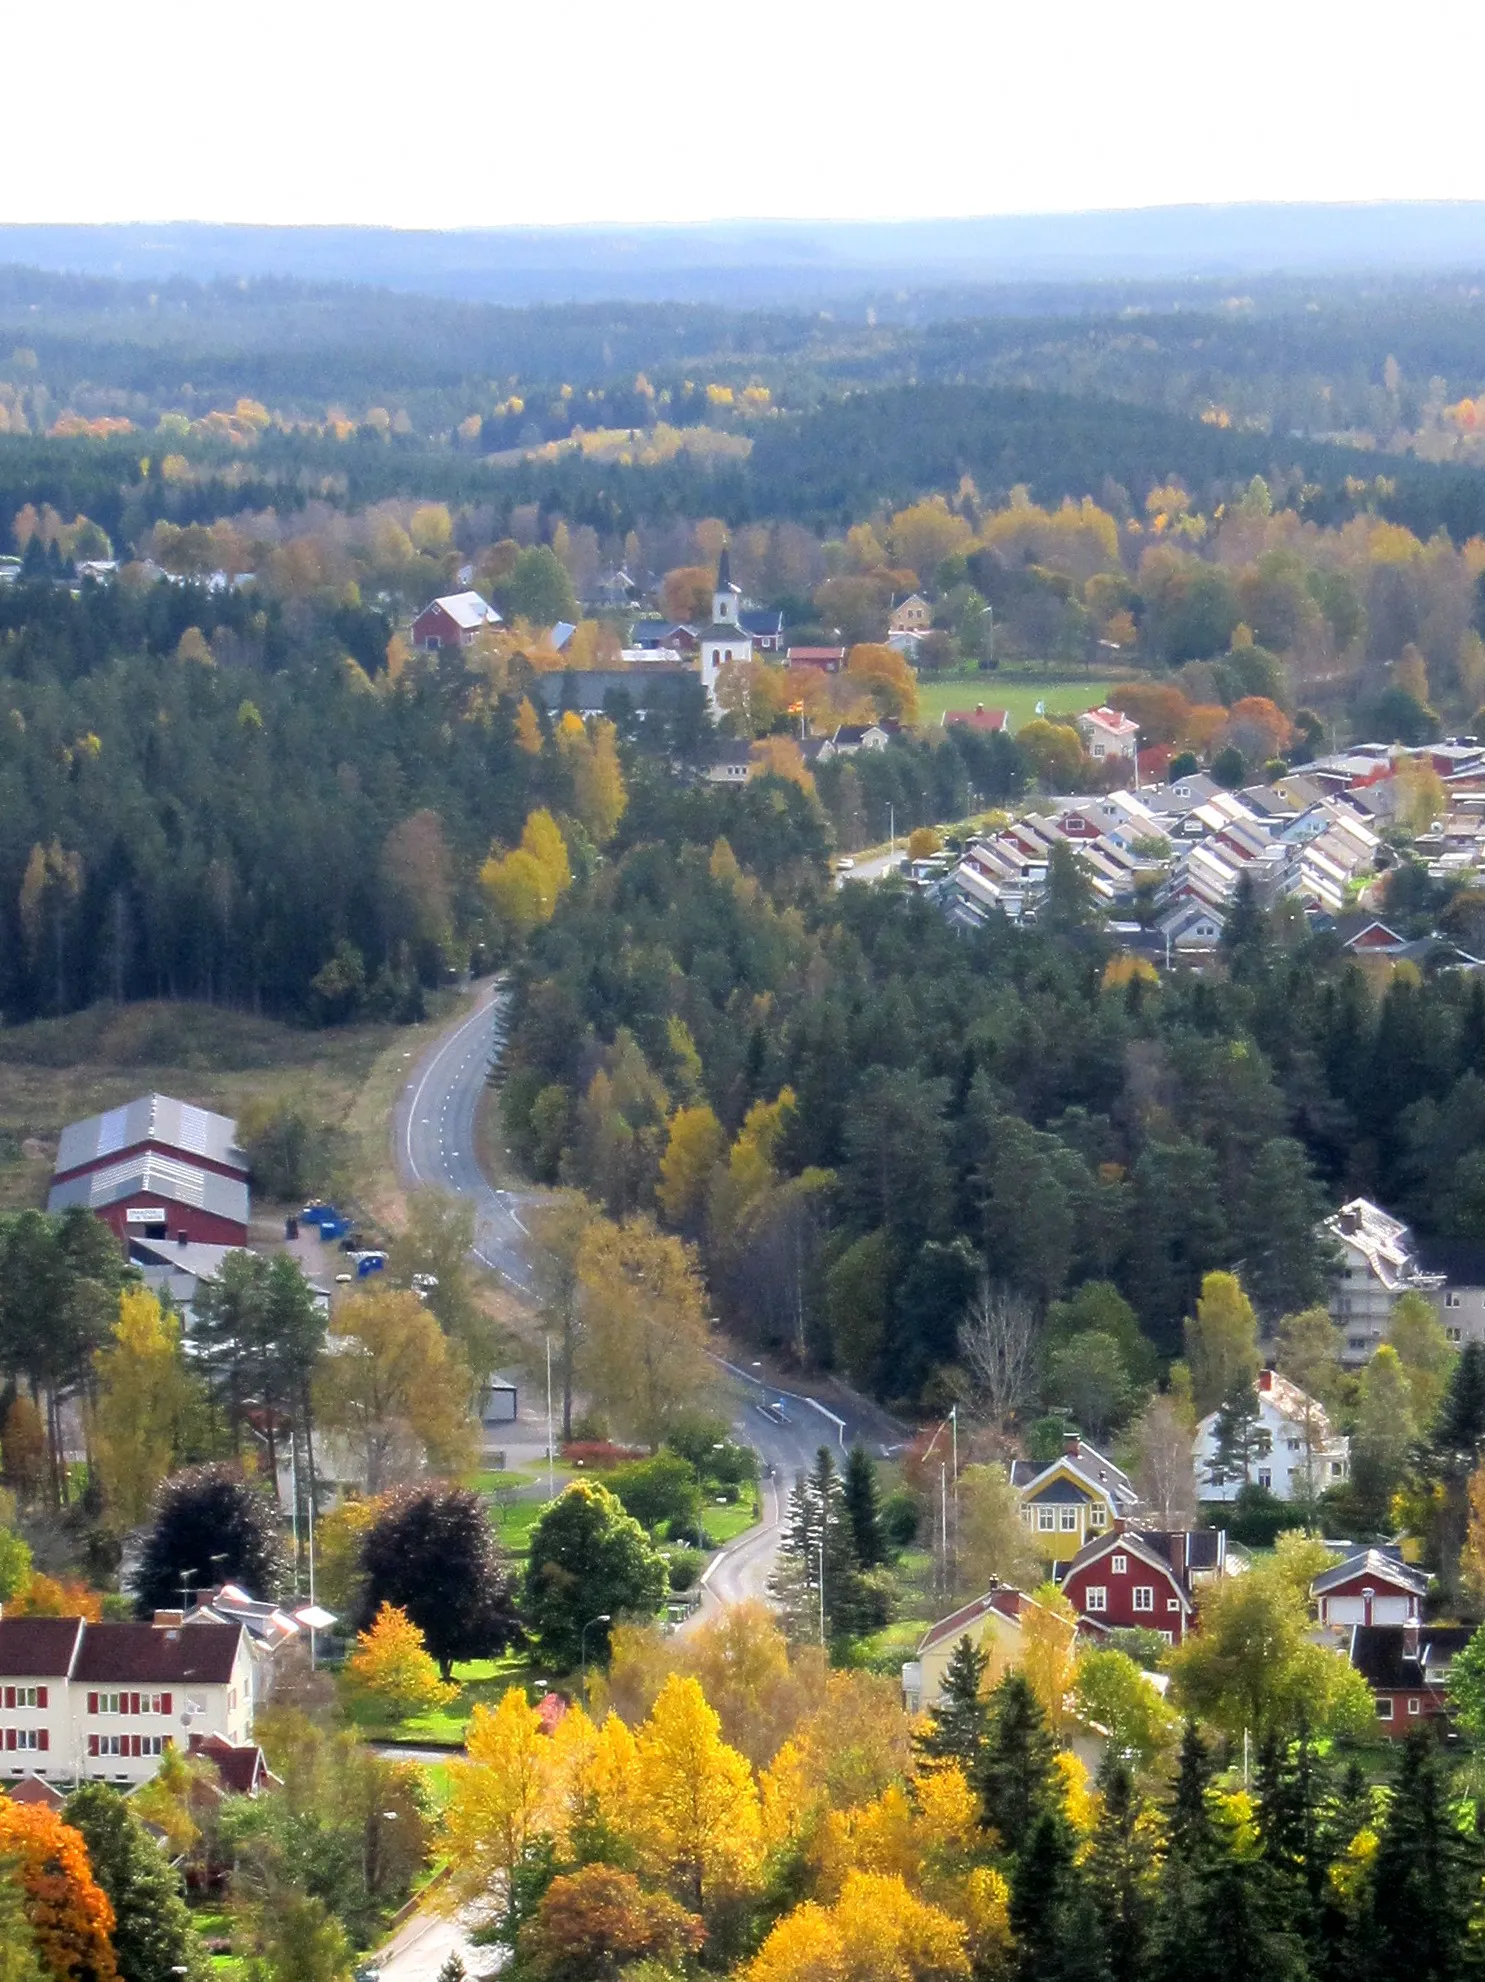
<point x="1075" y="1499"/>
<point x="992" y="1622"/>
<point x="914" y="615"/>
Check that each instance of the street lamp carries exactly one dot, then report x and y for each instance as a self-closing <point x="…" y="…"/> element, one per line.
<point x="602" y="1618"/>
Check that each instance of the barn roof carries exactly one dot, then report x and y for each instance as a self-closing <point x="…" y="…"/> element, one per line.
<point x="154" y="1118"/>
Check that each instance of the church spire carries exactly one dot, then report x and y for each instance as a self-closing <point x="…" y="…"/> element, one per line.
<point x="724" y="571"/>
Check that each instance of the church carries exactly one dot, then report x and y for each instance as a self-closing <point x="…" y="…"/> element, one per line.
<point x="726" y="639"/>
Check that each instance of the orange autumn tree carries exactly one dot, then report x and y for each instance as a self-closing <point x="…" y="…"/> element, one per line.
<point x="69" y="1912"/>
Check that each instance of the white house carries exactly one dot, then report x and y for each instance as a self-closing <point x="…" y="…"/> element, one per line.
<point x="105" y="1701"/>
<point x="1379" y="1262"/>
<point x="1108" y="733"/>
<point x="1304" y="1456"/>
<point x="726" y="639"/>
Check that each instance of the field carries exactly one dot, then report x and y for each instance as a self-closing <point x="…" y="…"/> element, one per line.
<point x="56" y="1070"/>
<point x="1063" y="693"/>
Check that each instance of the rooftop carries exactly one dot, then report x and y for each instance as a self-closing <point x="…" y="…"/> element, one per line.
<point x="149" y="1174"/>
<point x="467" y="610"/>
<point x="151" y="1118"/>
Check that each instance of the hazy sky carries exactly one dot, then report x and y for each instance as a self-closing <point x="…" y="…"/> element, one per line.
<point x="467" y="113"/>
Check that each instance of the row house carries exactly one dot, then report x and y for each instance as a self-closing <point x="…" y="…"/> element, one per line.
<point x="80" y="1700"/>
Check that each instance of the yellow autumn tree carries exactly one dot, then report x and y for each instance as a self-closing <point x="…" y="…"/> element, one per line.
<point x="698" y="1806"/>
<point x="1472" y="1560"/>
<point x="500" y="1799"/>
<point x="391" y="1671"/>
<point x="525" y="885"/>
<point x="644" y="1318"/>
<point x="696" y="1143"/>
<point x="877" y="1931"/>
<point x="593" y="1787"/>
<point x="143" y="1394"/>
<point x="528" y="729"/>
<point x="591" y="753"/>
<point x="1049" y="1633"/>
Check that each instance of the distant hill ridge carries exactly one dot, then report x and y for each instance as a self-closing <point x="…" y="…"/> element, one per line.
<point x="761" y="262"/>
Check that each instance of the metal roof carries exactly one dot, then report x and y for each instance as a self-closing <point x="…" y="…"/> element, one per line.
<point x="151" y="1118"/>
<point x="467" y="610"/>
<point x="165" y="1177"/>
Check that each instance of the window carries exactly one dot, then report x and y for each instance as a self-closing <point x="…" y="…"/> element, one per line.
<point x="1169" y="1637"/>
<point x="1144" y="1597"/>
<point x="1453" y="1300"/>
<point x="1415" y="1706"/>
<point x="1069" y="1520"/>
<point x="1046" y="1519"/>
<point x="129" y="1703"/>
<point x="128" y="1744"/>
<point x="1337" y="1468"/>
<point x="1454" y="1334"/>
<point x="1173" y="1603"/>
<point x="25" y="1696"/>
<point x="1096" y="1597"/>
<point x="1098" y="1514"/>
<point x="1265" y="1476"/>
<point x="1356" y="1342"/>
<point x="32" y="1739"/>
<point x="1119" y="1566"/>
<point x="1384" y="1709"/>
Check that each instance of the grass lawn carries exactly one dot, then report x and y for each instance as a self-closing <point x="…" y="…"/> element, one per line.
<point x="1064" y="694"/>
<point x="725" y="1524"/>
<point x="481" y="1682"/>
<point x="54" y="1071"/>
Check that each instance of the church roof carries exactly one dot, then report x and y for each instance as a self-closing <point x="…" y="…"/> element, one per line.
<point x="724" y="572"/>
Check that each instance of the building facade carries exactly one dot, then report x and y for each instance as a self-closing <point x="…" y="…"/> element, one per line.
<point x="452" y="622"/>
<point x="157" y="1169"/>
<point x="726" y="639"/>
<point x="1078" y="1498"/>
<point x="1298" y="1454"/>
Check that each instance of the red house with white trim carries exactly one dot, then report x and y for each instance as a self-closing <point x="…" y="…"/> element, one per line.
<point x="452" y="621"/>
<point x="157" y="1168"/>
<point x="1373" y="1586"/>
<point x="1144" y="1579"/>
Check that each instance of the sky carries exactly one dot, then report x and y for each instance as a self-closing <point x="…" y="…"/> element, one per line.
<point x="464" y="113"/>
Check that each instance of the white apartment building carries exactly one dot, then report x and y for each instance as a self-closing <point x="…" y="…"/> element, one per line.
<point x="1305" y="1454"/>
<point x="1379" y="1263"/>
<point x="83" y="1701"/>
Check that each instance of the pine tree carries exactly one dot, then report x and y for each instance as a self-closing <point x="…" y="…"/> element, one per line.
<point x="1017" y="1778"/>
<point x="1122" y="1869"/>
<point x="1240" y="1437"/>
<point x="1057" y="1928"/>
<point x="1293" y="1796"/>
<point x="1191" y="1843"/>
<point x="959" y="1723"/>
<point x="1425" y="1875"/>
<point x="818" y="1537"/>
<point x="453" y="1969"/>
<point x="863" y="1509"/>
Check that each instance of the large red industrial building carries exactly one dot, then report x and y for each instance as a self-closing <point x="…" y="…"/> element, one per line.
<point x="156" y="1169"/>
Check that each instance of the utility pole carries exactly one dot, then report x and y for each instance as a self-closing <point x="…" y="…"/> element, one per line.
<point x="551" y="1451"/>
<point x="891" y="834"/>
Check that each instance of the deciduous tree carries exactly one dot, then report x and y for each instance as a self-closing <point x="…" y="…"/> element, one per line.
<point x="395" y="1387"/>
<point x="390" y="1671"/>
<point x="644" y="1319"/>
<point x="430" y="1551"/>
<point x="144" y="1397"/>
<point x="70" y="1914"/>
<point x="588" y="1559"/>
<point x="153" y="1937"/>
<point x="210" y="1526"/>
<point x="699" y="1812"/>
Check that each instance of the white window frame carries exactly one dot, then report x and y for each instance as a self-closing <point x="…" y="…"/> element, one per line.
<point x="1144" y="1597"/>
<point x="1415" y="1706"/>
<point x="1098" y="1515"/>
<point x="1046" y="1520"/>
<point x="1067" y="1520"/>
<point x="1384" y="1709"/>
<point x="1096" y="1598"/>
<point x="1173" y="1603"/>
<point x="1119" y="1565"/>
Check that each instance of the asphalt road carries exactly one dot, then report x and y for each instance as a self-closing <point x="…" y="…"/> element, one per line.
<point x="433" y="1133"/>
<point x="435" y="1144"/>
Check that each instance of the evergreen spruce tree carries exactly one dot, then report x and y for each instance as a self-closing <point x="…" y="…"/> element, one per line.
<point x="1240" y="1437"/>
<point x="1122" y="1869"/>
<point x="1239" y="1932"/>
<point x="863" y="1509"/>
<point x="1425" y="1877"/>
<point x="1057" y="1927"/>
<point x="817" y="1514"/>
<point x="1017" y="1778"/>
<point x="959" y="1724"/>
<point x="1293" y="1795"/>
<point x="1190" y="1845"/>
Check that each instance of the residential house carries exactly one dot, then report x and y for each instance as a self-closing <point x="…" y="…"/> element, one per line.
<point x="663" y="636"/>
<point x="1407" y="1668"/>
<point x="83" y="1700"/>
<point x="828" y="660"/>
<point x="729" y="763"/>
<point x="1139" y="1578"/>
<point x="1371" y="1586"/>
<point x="987" y="721"/>
<point x="1079" y="1496"/>
<point x="847" y="738"/>
<point x="623" y="693"/>
<point x="1458" y="1266"/>
<point x="1301" y="1453"/>
<point x="914" y="615"/>
<point x="765" y="627"/>
<point x="992" y="1622"/>
<point x="452" y="622"/>
<point x="1379" y="1261"/>
<point x="1108" y="733"/>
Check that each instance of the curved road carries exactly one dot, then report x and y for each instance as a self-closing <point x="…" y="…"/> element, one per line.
<point x="434" y="1140"/>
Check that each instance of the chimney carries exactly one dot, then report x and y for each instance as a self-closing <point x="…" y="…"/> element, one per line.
<point x="169" y="1620"/>
<point x="1265" y="1379"/>
<point x="182" y="1238"/>
<point x="1348" y="1220"/>
<point x="1072" y="1445"/>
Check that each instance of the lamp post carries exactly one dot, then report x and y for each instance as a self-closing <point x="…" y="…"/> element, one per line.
<point x="602" y="1618"/>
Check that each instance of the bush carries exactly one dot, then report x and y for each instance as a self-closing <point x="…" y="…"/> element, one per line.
<point x="598" y="1455"/>
<point x="685" y="1566"/>
<point x="1256" y="1518"/>
<point x="899" y="1518"/>
<point x="660" y="1489"/>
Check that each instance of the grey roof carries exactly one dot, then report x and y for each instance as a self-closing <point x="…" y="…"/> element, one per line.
<point x="165" y="1177"/>
<point x="761" y="622"/>
<point x="591" y="688"/>
<point x="1373" y="1562"/>
<point x="151" y="1118"/>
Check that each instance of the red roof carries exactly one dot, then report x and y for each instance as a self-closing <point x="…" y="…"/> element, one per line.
<point x="979" y="717"/>
<point x="31" y="1789"/>
<point x="240" y="1764"/>
<point x="38" y="1647"/>
<point x="203" y="1653"/>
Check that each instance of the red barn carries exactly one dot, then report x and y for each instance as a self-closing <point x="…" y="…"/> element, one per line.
<point x="1372" y="1586"/>
<point x="158" y="1169"/>
<point x="1144" y="1579"/>
<point x="452" y="622"/>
